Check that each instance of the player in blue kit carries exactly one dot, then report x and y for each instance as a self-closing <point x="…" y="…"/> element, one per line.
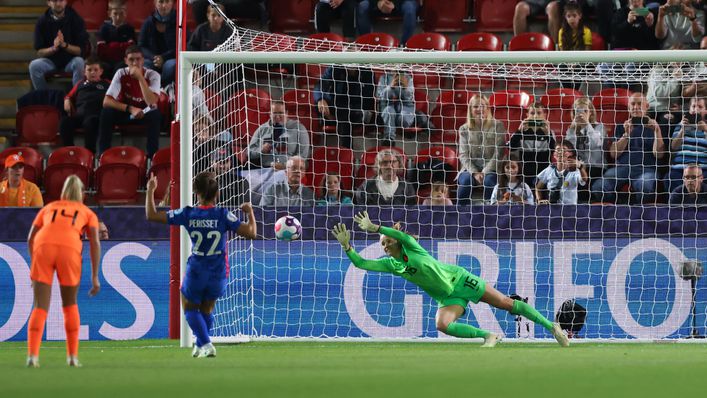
<point x="207" y="266"/>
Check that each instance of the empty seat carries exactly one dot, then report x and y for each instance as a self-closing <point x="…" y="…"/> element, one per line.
<point x="445" y="16"/>
<point x="93" y="12"/>
<point x="612" y="108"/>
<point x="62" y="163"/>
<point x="291" y="16"/>
<point x="299" y="104"/>
<point x="120" y="173"/>
<point x="138" y="11"/>
<point x="377" y="41"/>
<point x="449" y="114"/>
<point x="509" y="107"/>
<point x="37" y="124"/>
<point x="531" y="41"/>
<point x="494" y="15"/>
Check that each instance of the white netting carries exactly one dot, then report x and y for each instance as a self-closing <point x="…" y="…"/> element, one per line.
<point x="624" y="263"/>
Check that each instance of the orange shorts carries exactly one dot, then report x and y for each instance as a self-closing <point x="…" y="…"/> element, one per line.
<point x="47" y="258"/>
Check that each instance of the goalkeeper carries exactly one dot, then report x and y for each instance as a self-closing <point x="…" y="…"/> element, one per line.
<point x="451" y="286"/>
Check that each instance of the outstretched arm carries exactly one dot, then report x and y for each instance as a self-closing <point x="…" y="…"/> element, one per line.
<point x="365" y="224"/>
<point x="151" y="212"/>
<point x="248" y="229"/>
<point x="344" y="237"/>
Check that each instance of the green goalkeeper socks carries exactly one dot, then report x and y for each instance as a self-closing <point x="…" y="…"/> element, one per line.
<point x="526" y="310"/>
<point x="465" y="331"/>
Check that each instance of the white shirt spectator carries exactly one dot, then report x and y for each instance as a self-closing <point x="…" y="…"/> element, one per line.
<point x="126" y="89"/>
<point x="514" y="188"/>
<point x="567" y="181"/>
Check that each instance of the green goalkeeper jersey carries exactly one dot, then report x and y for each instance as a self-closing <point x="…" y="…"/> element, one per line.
<point x="415" y="264"/>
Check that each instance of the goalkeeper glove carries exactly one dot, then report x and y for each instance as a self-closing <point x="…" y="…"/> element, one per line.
<point x="365" y="223"/>
<point x="342" y="235"/>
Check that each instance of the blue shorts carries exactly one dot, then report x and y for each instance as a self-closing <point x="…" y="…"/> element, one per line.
<point x="202" y="286"/>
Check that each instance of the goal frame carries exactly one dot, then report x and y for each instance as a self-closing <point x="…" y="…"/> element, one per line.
<point x="188" y="58"/>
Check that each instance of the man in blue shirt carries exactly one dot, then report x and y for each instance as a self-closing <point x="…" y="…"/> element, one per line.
<point x="638" y="146"/>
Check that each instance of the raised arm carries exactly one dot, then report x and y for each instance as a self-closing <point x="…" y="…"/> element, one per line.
<point x="365" y="224"/>
<point x="151" y="212"/>
<point x="248" y="229"/>
<point x="344" y="237"/>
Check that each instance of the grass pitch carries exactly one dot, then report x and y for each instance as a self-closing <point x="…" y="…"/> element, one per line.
<point x="344" y="369"/>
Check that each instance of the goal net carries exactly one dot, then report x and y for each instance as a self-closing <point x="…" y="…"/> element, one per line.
<point x="563" y="179"/>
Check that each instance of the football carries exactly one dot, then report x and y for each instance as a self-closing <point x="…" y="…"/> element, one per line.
<point x="287" y="228"/>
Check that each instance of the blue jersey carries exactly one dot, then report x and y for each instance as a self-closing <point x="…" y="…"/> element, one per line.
<point x="207" y="228"/>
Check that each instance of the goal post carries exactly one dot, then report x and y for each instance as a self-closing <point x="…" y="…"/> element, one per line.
<point x="624" y="263"/>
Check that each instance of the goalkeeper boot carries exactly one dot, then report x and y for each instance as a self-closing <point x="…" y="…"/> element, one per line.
<point x="207" y="351"/>
<point x="491" y="340"/>
<point x="32" y="361"/>
<point x="73" y="361"/>
<point x="560" y="335"/>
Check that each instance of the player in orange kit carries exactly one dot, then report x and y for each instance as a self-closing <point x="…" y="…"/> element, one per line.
<point x="54" y="244"/>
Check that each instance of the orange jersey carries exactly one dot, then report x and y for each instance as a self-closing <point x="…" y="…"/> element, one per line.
<point x="62" y="223"/>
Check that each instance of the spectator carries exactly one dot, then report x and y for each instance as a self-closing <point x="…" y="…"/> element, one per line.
<point x="115" y="35"/>
<point x="158" y="40"/>
<point x="83" y="106"/>
<point x="237" y="9"/>
<point x="588" y="138"/>
<point x="327" y="9"/>
<point x="688" y="143"/>
<point x="207" y="138"/>
<point x="331" y="191"/>
<point x="407" y="8"/>
<point x="574" y="34"/>
<point x="345" y="96"/>
<point x="439" y="195"/>
<point x="481" y="143"/>
<point x="533" y="142"/>
<point x="679" y="23"/>
<point x="637" y="148"/>
<point x="511" y="188"/>
<point x="60" y="39"/>
<point x="103" y="233"/>
<point x="603" y="11"/>
<point x="559" y="183"/>
<point x="633" y="27"/>
<point x="212" y="33"/>
<point x="278" y="139"/>
<point x="693" y="191"/>
<point x="15" y="191"/>
<point x="532" y="8"/>
<point x="290" y="192"/>
<point x="386" y="188"/>
<point x="664" y="94"/>
<point x="396" y="103"/>
<point x="132" y="99"/>
<point x="233" y="189"/>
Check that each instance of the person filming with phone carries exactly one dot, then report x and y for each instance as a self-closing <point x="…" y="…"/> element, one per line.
<point x="633" y="27"/>
<point x="679" y="22"/>
<point x="688" y="143"/>
<point x="534" y="142"/>
<point x="636" y="150"/>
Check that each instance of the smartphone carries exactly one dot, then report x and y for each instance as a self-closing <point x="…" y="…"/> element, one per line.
<point x="535" y="122"/>
<point x="674" y="9"/>
<point x="639" y="120"/>
<point x="641" y="11"/>
<point x="693" y="119"/>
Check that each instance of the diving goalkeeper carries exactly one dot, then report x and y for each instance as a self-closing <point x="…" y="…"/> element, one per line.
<point x="451" y="286"/>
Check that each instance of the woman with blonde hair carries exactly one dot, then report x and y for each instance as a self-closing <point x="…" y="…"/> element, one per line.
<point x="588" y="137"/>
<point x="54" y="245"/>
<point x="480" y="145"/>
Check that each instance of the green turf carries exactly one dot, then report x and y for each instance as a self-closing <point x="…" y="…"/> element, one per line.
<point x="344" y="369"/>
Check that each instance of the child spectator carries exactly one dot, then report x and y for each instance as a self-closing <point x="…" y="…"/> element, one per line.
<point x="533" y="142"/>
<point x="574" y="35"/>
<point x="439" y="196"/>
<point x="561" y="181"/>
<point x="510" y="188"/>
<point x="114" y="36"/>
<point x="588" y="137"/>
<point x="158" y="40"/>
<point x="331" y="191"/>
<point x="211" y="33"/>
<point x="83" y="106"/>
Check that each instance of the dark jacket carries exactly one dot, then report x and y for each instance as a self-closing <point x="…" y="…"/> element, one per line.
<point x="109" y="33"/>
<point x="73" y="28"/>
<point x="368" y="194"/>
<point x="203" y="39"/>
<point x="680" y="197"/>
<point x="154" y="42"/>
<point x="636" y="35"/>
<point x="343" y="90"/>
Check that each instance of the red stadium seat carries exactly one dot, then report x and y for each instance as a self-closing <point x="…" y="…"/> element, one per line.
<point x="429" y="41"/>
<point x="477" y="41"/>
<point x="291" y="16"/>
<point x="93" y="12"/>
<point x="37" y="124"/>
<point x="445" y="16"/>
<point x="138" y="11"/>
<point x="449" y="114"/>
<point x="366" y="169"/>
<point x="120" y="173"/>
<point x="329" y="159"/>
<point x="112" y="52"/>
<point x="33" y="162"/>
<point x="559" y="103"/>
<point x="531" y="41"/>
<point x="598" y="43"/>
<point x="509" y="107"/>
<point x="246" y="111"/>
<point x="377" y="41"/>
<point x="299" y="104"/>
<point x="612" y="108"/>
<point x="494" y="15"/>
<point x="161" y="167"/>
<point x="64" y="162"/>
<point x="421" y="105"/>
<point x="214" y="102"/>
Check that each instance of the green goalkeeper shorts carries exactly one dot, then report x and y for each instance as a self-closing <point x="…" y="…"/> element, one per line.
<point x="468" y="287"/>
